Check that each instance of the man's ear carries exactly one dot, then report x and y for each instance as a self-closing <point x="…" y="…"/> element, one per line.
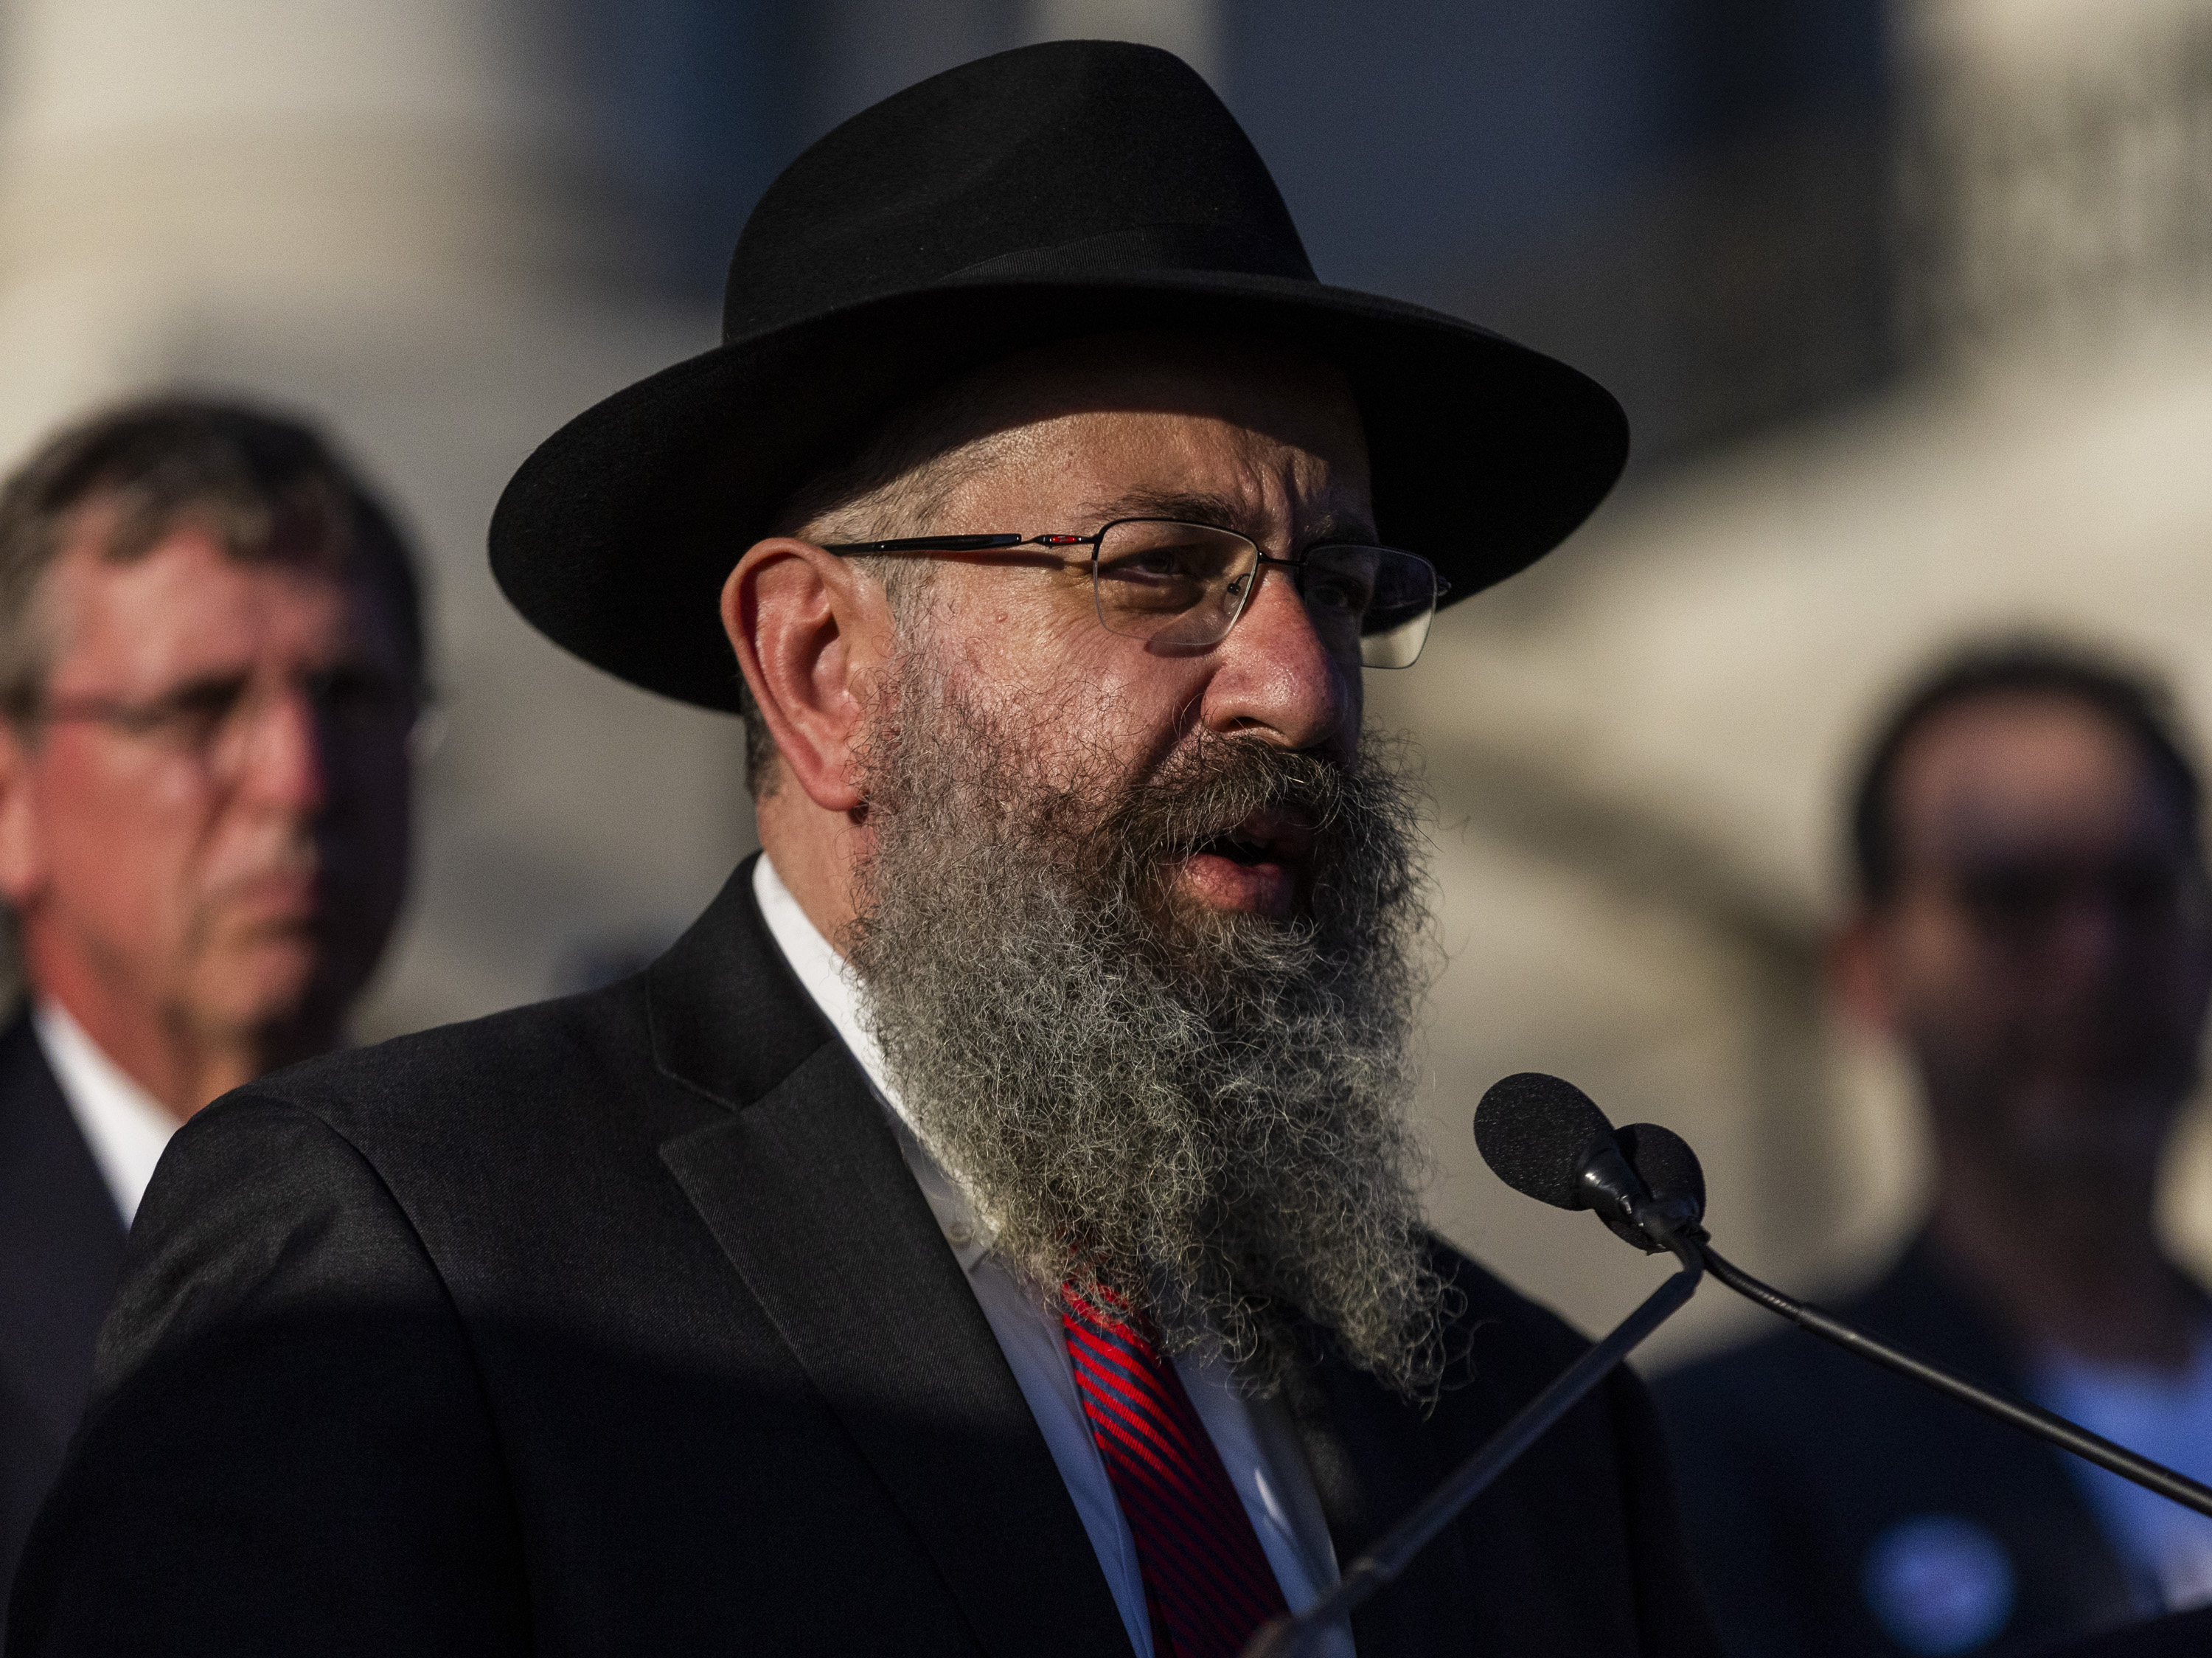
<point x="1856" y="974"/>
<point x="22" y="860"/>
<point x="811" y="632"/>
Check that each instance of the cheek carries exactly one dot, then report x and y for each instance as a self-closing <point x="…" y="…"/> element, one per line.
<point x="1100" y="713"/>
<point x="1024" y="625"/>
<point x="123" y="841"/>
<point x="1950" y="989"/>
<point x="1076" y="696"/>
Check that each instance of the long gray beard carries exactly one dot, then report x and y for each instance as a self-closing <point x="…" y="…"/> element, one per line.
<point x="1203" y="1114"/>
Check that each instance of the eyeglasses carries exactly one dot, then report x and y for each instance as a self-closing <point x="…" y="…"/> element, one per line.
<point x="2023" y="900"/>
<point x="1183" y="586"/>
<point x="213" y="720"/>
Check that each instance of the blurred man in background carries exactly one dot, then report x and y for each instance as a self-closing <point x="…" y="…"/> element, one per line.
<point x="2032" y="927"/>
<point x="210" y="646"/>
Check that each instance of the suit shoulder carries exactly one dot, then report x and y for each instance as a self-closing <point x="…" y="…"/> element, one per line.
<point x="546" y="1048"/>
<point x="1766" y="1391"/>
<point x="1784" y="1363"/>
<point x="1780" y="1360"/>
<point x="1497" y="1324"/>
<point x="568" y="1083"/>
<point x="1758" y="1355"/>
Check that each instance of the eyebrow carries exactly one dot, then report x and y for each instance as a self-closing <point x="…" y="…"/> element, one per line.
<point x="1223" y="511"/>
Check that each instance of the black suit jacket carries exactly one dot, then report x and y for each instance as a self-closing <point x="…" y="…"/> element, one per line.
<point x="1794" y="1458"/>
<point x="61" y="1249"/>
<point x="618" y="1325"/>
<point x="2178" y="1635"/>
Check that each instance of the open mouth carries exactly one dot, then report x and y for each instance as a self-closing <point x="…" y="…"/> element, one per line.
<point x="1263" y="838"/>
<point x="1238" y="848"/>
<point x="1257" y="865"/>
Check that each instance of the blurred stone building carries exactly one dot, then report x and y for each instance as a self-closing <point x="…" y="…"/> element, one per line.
<point x="1646" y="737"/>
<point x="1912" y="309"/>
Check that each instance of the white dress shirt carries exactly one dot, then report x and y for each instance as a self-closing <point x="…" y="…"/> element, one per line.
<point x="126" y="1127"/>
<point x="1258" y="1447"/>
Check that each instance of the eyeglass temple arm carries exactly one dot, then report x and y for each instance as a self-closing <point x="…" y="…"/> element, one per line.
<point x="980" y="543"/>
<point x="927" y="544"/>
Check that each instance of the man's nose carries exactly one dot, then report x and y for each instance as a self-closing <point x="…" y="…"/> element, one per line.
<point x="2089" y="945"/>
<point x="284" y="763"/>
<point x="1275" y="674"/>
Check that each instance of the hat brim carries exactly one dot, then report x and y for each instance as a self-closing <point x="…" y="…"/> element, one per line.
<point x="615" y="537"/>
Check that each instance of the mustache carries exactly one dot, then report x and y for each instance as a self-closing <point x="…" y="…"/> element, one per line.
<point x="1215" y="786"/>
<point x="284" y="855"/>
<point x="1337" y="822"/>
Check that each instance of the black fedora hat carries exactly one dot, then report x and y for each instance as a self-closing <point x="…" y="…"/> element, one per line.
<point x="1080" y="187"/>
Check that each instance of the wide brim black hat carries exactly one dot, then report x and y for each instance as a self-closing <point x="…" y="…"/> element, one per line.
<point x="1075" y="188"/>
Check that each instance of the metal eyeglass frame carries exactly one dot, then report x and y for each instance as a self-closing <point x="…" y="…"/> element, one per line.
<point x="1008" y="540"/>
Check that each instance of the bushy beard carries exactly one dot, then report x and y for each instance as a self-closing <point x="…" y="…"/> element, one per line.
<point x="1203" y="1114"/>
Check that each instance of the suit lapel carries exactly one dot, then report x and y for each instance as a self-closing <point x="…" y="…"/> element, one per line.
<point x="1373" y="1463"/>
<point x="61" y="1239"/>
<point x="805" y="1191"/>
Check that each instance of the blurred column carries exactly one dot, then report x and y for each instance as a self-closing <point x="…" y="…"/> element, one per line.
<point x="155" y="155"/>
<point x="2057" y="176"/>
<point x="400" y="217"/>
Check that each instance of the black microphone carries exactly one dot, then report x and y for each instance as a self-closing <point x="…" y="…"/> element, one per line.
<point x="1664" y="1159"/>
<point x="1543" y="1134"/>
<point x="1546" y="1138"/>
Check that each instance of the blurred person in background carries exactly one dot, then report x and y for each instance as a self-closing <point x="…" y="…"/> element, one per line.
<point x="210" y="647"/>
<point x="2031" y="928"/>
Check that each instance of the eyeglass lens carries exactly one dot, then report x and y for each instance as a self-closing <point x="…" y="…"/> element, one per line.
<point x="215" y="721"/>
<point x="1183" y="586"/>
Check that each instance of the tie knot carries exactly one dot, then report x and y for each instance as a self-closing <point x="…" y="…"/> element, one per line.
<point x="1105" y="1310"/>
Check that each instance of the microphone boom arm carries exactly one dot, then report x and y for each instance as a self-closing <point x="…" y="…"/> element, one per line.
<point x="2028" y="1418"/>
<point x="1389" y="1556"/>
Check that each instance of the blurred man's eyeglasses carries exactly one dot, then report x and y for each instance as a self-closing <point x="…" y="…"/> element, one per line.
<point x="2026" y="899"/>
<point x="213" y="720"/>
<point x="1183" y="586"/>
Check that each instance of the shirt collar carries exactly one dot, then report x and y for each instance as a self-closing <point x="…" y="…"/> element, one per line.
<point x="124" y="1127"/>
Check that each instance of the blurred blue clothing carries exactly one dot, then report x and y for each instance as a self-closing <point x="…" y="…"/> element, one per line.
<point x="2167" y="1418"/>
<point x="1836" y="1510"/>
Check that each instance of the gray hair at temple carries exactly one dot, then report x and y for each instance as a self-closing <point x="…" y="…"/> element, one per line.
<point x="267" y="486"/>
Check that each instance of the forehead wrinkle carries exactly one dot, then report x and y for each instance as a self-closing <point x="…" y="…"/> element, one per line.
<point x="262" y="612"/>
<point x="1225" y="512"/>
<point x="1193" y="506"/>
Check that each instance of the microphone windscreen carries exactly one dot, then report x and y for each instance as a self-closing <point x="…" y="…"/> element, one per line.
<point x="1662" y="1159"/>
<point x="1536" y="1131"/>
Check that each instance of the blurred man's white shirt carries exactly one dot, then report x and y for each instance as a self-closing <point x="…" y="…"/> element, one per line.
<point x="126" y="1128"/>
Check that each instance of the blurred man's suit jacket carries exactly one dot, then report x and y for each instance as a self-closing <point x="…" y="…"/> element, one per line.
<point x="61" y="1249"/>
<point x="619" y="1325"/>
<point x="1804" y="1469"/>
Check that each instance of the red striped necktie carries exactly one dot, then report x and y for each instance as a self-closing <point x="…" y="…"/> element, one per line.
<point x="1207" y="1584"/>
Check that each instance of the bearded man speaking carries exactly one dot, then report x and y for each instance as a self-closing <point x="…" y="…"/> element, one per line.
<point x="991" y="1229"/>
